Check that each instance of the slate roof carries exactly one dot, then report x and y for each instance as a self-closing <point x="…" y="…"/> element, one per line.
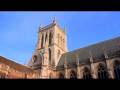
<point x="97" y="50"/>
<point x="15" y="65"/>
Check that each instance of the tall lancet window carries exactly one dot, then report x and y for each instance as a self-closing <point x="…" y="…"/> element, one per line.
<point x="46" y="38"/>
<point x="86" y="73"/>
<point x="117" y="69"/>
<point x="58" y="38"/>
<point x="102" y="72"/>
<point x="34" y="59"/>
<point x="49" y="56"/>
<point x="50" y="38"/>
<point x="42" y="40"/>
<point x="50" y="76"/>
<point x="63" y="43"/>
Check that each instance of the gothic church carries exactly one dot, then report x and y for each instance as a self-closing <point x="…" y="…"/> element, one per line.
<point x="52" y="60"/>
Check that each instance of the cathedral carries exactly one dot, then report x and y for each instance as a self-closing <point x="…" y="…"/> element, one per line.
<point x="52" y="60"/>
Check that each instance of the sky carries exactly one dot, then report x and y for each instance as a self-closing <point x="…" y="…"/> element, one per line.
<point x="19" y="30"/>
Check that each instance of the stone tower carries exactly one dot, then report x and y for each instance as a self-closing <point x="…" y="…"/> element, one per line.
<point x="52" y="43"/>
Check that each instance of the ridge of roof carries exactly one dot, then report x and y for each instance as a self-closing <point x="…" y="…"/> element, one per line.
<point x="98" y="43"/>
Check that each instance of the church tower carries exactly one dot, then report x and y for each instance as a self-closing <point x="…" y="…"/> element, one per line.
<point x="52" y="43"/>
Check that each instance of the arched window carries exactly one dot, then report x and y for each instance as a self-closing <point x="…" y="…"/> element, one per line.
<point x="50" y="76"/>
<point x="86" y="73"/>
<point x="2" y="77"/>
<point x="61" y="41"/>
<point x="34" y="59"/>
<point x="102" y="72"/>
<point x="61" y="76"/>
<point x="42" y="39"/>
<point x="73" y="75"/>
<point x="58" y="38"/>
<point x="45" y="38"/>
<point x="117" y="69"/>
<point x="49" y="56"/>
<point x="50" y="38"/>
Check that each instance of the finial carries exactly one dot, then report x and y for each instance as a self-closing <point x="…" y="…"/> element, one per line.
<point x="65" y="63"/>
<point x="91" y="57"/>
<point x="41" y="25"/>
<point x="105" y="54"/>
<point x="77" y="60"/>
<point x="54" y="19"/>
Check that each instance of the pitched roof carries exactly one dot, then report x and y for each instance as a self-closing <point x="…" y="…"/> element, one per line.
<point x="96" y="50"/>
<point x="14" y="65"/>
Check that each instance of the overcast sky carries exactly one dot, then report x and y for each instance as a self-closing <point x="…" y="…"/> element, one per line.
<point x="18" y="30"/>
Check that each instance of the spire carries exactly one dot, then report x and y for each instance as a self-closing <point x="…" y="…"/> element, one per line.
<point x="54" y="20"/>
<point x="77" y="60"/>
<point x="91" y="57"/>
<point x="65" y="63"/>
<point x="105" y="53"/>
<point x="41" y="26"/>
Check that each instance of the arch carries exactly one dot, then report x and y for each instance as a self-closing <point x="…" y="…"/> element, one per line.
<point x="51" y="75"/>
<point x="2" y="77"/>
<point x="102" y="72"/>
<point x="42" y="40"/>
<point x="58" y="38"/>
<point x="36" y="62"/>
<point x="49" y="56"/>
<point x="61" y="41"/>
<point x="46" y="38"/>
<point x="41" y="60"/>
<point x="86" y="73"/>
<point x="61" y="76"/>
<point x="34" y="58"/>
<point x="73" y="75"/>
<point x="50" y="38"/>
<point x="117" y="69"/>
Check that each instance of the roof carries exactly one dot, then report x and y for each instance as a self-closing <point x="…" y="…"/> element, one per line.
<point x="47" y="26"/>
<point x="14" y="65"/>
<point x="97" y="50"/>
<point x="50" y="26"/>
